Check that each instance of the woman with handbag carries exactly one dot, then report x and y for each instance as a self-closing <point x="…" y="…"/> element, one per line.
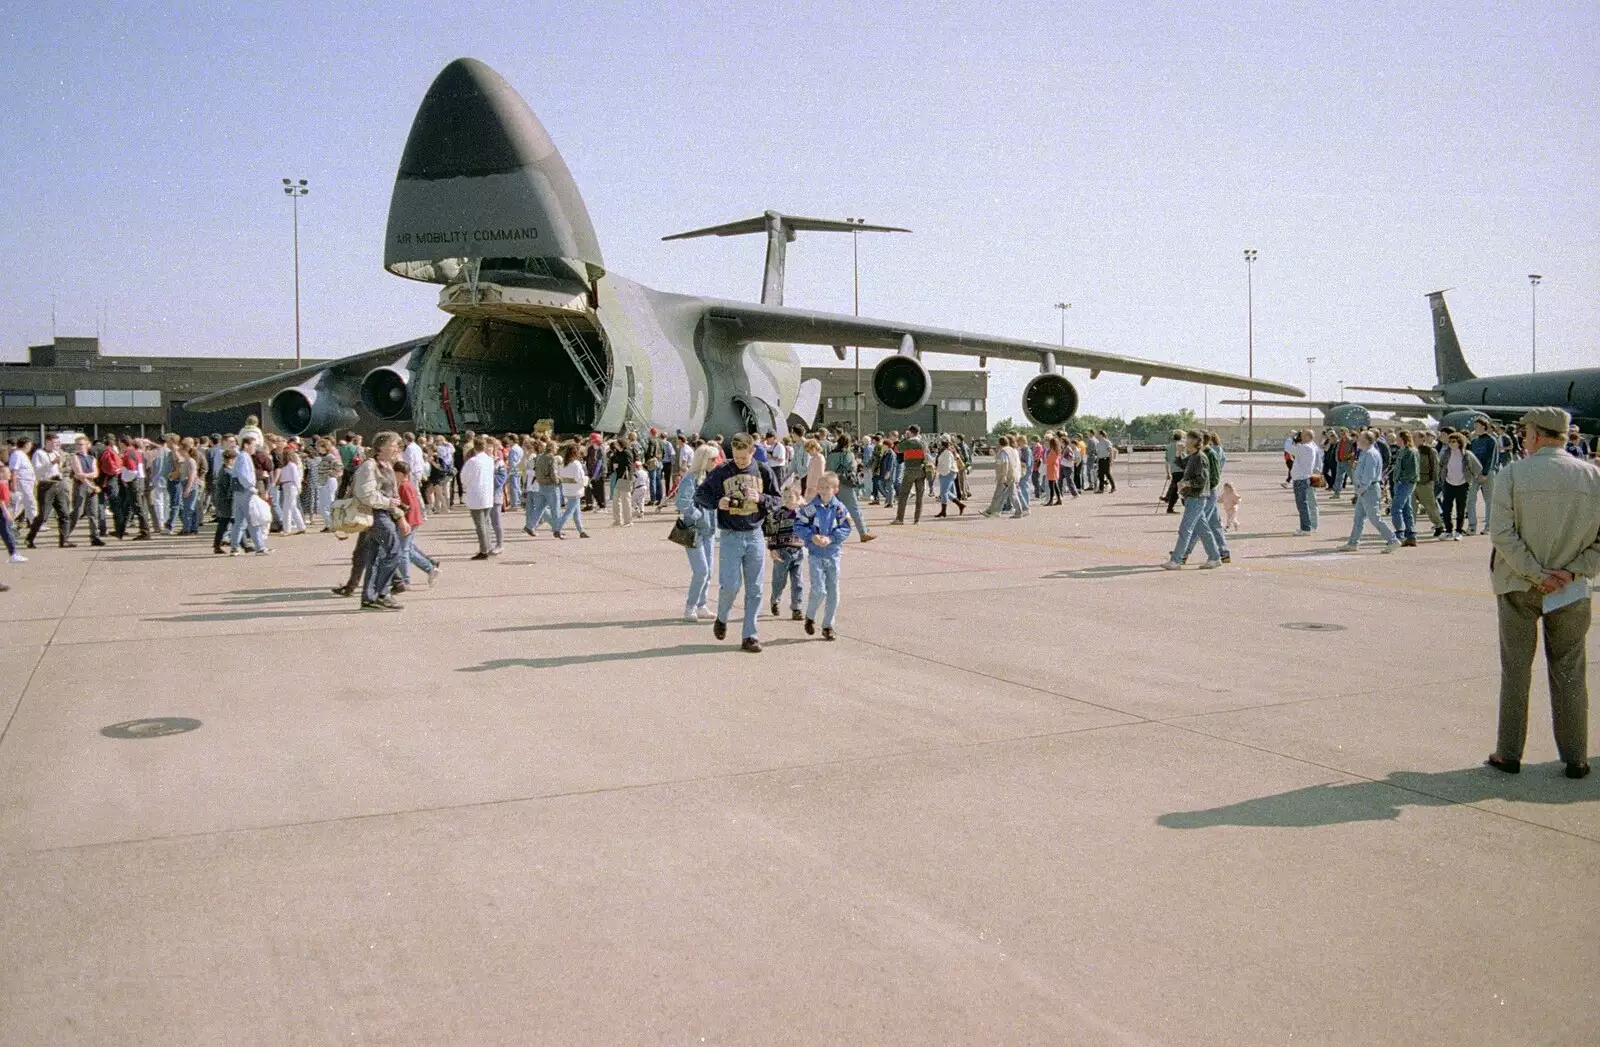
<point x="703" y="523"/>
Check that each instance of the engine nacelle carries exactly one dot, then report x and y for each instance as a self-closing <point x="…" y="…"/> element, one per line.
<point x="901" y="383"/>
<point x="1462" y="421"/>
<point x="385" y="393"/>
<point x="1347" y="416"/>
<point x="310" y="409"/>
<point x="1049" y="400"/>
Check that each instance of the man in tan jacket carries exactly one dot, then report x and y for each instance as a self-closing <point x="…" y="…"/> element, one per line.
<point x="1545" y="525"/>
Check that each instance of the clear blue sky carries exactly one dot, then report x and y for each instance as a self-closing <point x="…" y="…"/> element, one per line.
<point x="1117" y="156"/>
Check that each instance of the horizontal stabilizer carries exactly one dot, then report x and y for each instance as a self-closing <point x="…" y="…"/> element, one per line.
<point x="795" y="223"/>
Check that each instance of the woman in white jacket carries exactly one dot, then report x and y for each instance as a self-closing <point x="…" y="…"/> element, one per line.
<point x="477" y="490"/>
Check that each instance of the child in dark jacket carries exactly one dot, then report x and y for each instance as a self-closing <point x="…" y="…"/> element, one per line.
<point x="823" y="525"/>
<point x="787" y="550"/>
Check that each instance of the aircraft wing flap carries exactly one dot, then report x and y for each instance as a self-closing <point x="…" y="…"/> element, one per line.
<point x="760" y="323"/>
<point x="261" y="389"/>
<point x="1413" y="408"/>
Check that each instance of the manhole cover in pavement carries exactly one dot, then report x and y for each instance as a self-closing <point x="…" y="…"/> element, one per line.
<point x="157" y="727"/>
<point x="1314" y="627"/>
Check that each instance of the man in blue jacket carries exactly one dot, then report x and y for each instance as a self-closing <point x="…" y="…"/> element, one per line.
<point x="1486" y="449"/>
<point x="742" y="491"/>
<point x="824" y="525"/>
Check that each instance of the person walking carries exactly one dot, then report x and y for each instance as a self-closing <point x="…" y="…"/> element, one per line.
<point x="1486" y="449"/>
<point x="823" y="529"/>
<point x="52" y="492"/>
<point x="914" y="474"/>
<point x="947" y="469"/>
<point x="85" y="472"/>
<point x="704" y="522"/>
<point x="1402" y="509"/>
<point x="244" y="489"/>
<point x="1367" y="476"/>
<point x="1196" y="491"/>
<point x="1458" y="467"/>
<point x="1212" y="455"/>
<point x="477" y="491"/>
<point x="575" y="482"/>
<point x="375" y="487"/>
<point x="289" y="479"/>
<point x="844" y="463"/>
<point x="1303" y="462"/>
<point x="1426" y="494"/>
<point x="1108" y="458"/>
<point x="1005" y="480"/>
<point x="742" y="492"/>
<point x="1545" y="526"/>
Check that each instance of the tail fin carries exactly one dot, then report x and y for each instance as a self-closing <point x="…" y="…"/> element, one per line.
<point x="780" y="230"/>
<point x="1448" y="362"/>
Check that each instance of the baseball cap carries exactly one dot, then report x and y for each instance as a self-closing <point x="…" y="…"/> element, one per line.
<point x="1550" y="419"/>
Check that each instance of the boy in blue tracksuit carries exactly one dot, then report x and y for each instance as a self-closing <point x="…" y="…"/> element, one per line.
<point x="787" y="550"/>
<point x="824" y="525"/>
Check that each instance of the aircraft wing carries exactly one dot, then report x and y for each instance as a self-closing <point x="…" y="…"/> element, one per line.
<point x="1492" y="410"/>
<point x="1430" y="395"/>
<point x="769" y="323"/>
<point x="262" y="389"/>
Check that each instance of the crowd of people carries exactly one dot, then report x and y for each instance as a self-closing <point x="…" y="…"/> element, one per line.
<point x="795" y="500"/>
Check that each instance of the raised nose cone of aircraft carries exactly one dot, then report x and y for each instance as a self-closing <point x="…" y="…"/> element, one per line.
<point x="480" y="179"/>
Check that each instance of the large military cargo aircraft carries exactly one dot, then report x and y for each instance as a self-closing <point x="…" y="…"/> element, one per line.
<point x="540" y="329"/>
<point x="1459" y="397"/>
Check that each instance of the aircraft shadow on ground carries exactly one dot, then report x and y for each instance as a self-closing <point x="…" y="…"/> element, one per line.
<point x="247" y="616"/>
<point x="1112" y="570"/>
<point x="258" y="597"/>
<point x="1383" y="800"/>
<point x="145" y="557"/>
<point x="649" y="623"/>
<point x="558" y="661"/>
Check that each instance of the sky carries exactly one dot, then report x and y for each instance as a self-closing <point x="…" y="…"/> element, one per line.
<point x="1117" y="156"/>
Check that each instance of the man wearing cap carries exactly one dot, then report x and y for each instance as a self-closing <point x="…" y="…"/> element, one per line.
<point x="1545" y="526"/>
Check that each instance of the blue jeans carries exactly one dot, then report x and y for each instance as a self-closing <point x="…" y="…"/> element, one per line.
<point x="847" y="495"/>
<point x="1484" y="484"/>
<point x="189" y="510"/>
<point x="1367" y="509"/>
<point x="241" y="522"/>
<point x="1193" y="526"/>
<point x="824" y="571"/>
<point x="381" y="556"/>
<point x="1404" y="510"/>
<point x="1341" y="474"/>
<point x="1305" y="501"/>
<point x="700" y="558"/>
<point x="573" y="512"/>
<point x="786" y="570"/>
<point x="741" y="555"/>
<point x="655" y="485"/>
<point x="1023" y="492"/>
<point x="174" y="503"/>
<point x="540" y="503"/>
<point x="1210" y="522"/>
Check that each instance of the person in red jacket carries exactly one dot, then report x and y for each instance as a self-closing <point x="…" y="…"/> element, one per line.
<point x="411" y="503"/>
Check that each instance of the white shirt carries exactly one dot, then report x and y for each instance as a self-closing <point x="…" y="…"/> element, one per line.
<point x="477" y="481"/>
<point x="685" y="457"/>
<point x="289" y="474"/>
<point x="46" y="466"/>
<point x="574" y="478"/>
<point x="414" y="460"/>
<point x="21" y="468"/>
<point x="777" y="454"/>
<point x="1305" y="461"/>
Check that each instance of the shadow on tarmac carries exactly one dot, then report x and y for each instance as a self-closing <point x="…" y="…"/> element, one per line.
<point x="649" y="623"/>
<point x="557" y="661"/>
<point x="248" y="616"/>
<point x="1113" y="570"/>
<point x="1383" y="800"/>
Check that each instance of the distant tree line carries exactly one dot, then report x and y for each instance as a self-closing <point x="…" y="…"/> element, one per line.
<point x="1145" y="429"/>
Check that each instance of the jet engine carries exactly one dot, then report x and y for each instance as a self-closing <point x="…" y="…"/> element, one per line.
<point x="310" y="408"/>
<point x="1462" y="421"/>
<point x="901" y="383"/>
<point x="1347" y="416"/>
<point x="1049" y="400"/>
<point x="384" y="392"/>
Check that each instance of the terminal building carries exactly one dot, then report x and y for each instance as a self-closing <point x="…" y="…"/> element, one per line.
<point x="69" y="386"/>
<point x="958" y="403"/>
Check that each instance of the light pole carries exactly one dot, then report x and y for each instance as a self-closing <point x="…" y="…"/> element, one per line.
<point x="1063" y="306"/>
<point x="1250" y="321"/>
<point x="855" y="280"/>
<point x="294" y="191"/>
<point x="1533" y="287"/>
<point x="1310" y="363"/>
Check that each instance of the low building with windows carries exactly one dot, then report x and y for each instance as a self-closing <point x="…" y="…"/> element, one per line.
<point x="68" y="386"/>
<point x="958" y="403"/>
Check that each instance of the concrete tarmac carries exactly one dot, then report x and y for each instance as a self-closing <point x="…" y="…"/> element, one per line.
<point x="1039" y="792"/>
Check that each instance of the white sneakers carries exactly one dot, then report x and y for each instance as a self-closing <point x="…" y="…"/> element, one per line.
<point x="1172" y="565"/>
<point x="1211" y="565"/>
<point x="1390" y="547"/>
<point x="18" y="558"/>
